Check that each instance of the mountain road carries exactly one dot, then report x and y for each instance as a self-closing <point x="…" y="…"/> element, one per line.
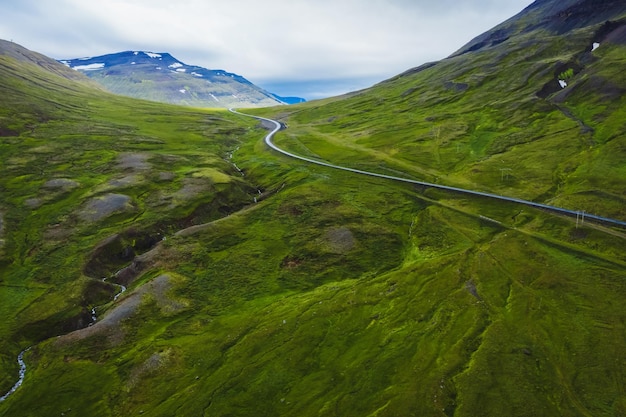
<point x="560" y="210"/>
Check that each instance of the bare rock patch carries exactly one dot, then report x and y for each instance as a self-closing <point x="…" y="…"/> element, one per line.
<point x="126" y="181"/>
<point x="166" y="176"/>
<point x="60" y="184"/>
<point x="101" y="207"/>
<point x="133" y="161"/>
<point x="340" y="240"/>
<point x="33" y="203"/>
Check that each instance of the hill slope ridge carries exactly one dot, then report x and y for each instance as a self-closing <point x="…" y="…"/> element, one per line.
<point x="161" y="77"/>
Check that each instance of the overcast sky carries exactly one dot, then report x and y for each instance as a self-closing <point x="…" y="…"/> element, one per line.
<point x="307" y="48"/>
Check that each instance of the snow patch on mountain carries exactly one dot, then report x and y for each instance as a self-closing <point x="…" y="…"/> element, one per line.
<point x="123" y="68"/>
<point x="89" y="67"/>
<point x="596" y="45"/>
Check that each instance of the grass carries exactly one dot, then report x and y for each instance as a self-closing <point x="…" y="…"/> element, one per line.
<point x="45" y="239"/>
<point x="334" y="293"/>
<point x="411" y="337"/>
<point x="418" y="125"/>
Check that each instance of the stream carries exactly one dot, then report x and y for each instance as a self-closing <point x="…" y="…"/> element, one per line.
<point x="94" y="316"/>
<point x="229" y="159"/>
<point x="22" y="373"/>
<point x="20" y="357"/>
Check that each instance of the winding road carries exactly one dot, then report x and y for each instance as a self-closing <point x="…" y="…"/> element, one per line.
<point x="268" y="141"/>
<point x="572" y="213"/>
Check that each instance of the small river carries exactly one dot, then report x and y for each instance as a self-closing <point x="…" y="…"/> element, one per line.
<point x="20" y="361"/>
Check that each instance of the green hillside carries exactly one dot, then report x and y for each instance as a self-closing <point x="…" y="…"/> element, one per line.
<point x="494" y="120"/>
<point x="298" y="290"/>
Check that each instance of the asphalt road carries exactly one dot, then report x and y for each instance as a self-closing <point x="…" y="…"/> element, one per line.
<point x="572" y="213"/>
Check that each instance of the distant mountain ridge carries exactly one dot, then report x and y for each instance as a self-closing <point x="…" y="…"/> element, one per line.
<point x="161" y="77"/>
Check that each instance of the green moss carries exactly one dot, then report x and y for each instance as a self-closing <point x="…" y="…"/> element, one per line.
<point x="333" y="293"/>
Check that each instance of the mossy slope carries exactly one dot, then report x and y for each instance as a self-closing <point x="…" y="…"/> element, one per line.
<point x="333" y="294"/>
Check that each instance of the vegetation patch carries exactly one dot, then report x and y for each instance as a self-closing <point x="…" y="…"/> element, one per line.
<point x="297" y="289"/>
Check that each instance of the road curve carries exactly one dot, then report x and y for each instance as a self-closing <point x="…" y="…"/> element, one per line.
<point x="582" y="214"/>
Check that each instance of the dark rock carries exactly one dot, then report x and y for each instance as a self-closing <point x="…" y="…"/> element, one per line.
<point x="457" y="87"/>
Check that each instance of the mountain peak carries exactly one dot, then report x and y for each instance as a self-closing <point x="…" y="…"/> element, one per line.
<point x="158" y="76"/>
<point x="120" y="58"/>
<point x="555" y="17"/>
<point x="150" y="54"/>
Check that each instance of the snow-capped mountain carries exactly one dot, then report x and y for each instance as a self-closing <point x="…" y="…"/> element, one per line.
<point x="161" y="77"/>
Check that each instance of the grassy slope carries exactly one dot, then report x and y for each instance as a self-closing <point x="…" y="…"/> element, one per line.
<point x="475" y="121"/>
<point x="335" y="294"/>
<point x="445" y="124"/>
<point x="56" y="129"/>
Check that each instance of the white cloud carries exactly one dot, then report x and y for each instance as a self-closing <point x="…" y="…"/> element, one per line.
<point x="263" y="41"/>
